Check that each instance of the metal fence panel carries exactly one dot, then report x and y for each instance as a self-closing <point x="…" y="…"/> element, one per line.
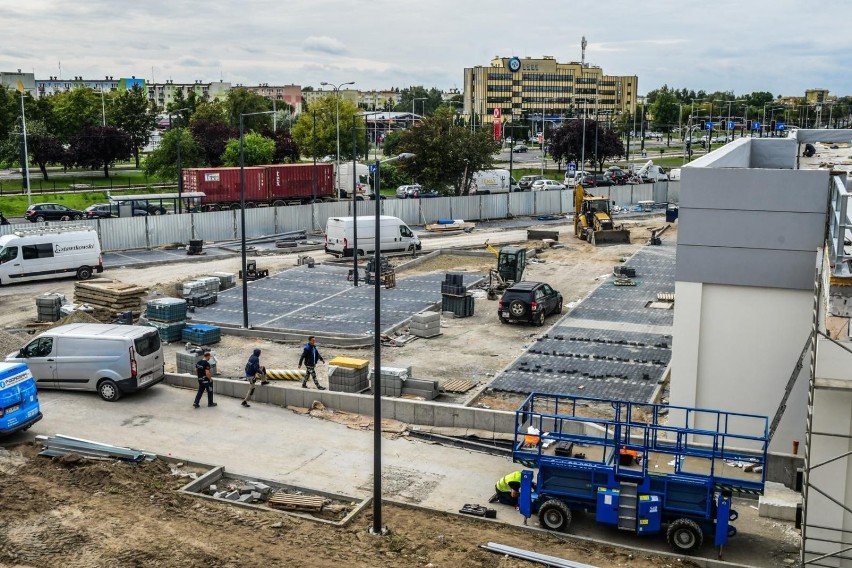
<point x="168" y="229"/>
<point x="520" y="203"/>
<point x="547" y="202"/>
<point x="215" y="226"/>
<point x="124" y="233"/>
<point x="435" y="208"/>
<point x="494" y="206"/>
<point x="465" y="207"/>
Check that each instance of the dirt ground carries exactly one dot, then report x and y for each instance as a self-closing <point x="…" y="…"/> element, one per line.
<point x="92" y="514"/>
<point x="105" y="514"/>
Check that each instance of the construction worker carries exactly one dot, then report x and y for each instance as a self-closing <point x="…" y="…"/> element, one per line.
<point x="310" y="357"/>
<point x="508" y="489"/>
<point x="254" y="371"/>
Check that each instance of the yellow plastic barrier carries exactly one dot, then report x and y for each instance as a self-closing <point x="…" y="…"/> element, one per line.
<point x="285" y="374"/>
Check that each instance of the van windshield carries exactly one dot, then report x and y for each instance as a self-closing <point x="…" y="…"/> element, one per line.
<point x="147" y="344"/>
<point x="8" y="253"/>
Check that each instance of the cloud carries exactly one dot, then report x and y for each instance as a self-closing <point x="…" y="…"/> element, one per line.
<point x="324" y="44"/>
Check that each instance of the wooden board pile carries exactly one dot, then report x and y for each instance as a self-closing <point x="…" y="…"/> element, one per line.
<point x="110" y="298"/>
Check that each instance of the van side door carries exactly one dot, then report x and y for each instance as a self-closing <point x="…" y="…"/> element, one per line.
<point x="40" y="355"/>
<point x="406" y="237"/>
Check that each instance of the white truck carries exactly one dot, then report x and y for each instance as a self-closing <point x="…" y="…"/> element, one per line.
<point x="344" y="181"/>
<point x="649" y="173"/>
<point x="490" y="181"/>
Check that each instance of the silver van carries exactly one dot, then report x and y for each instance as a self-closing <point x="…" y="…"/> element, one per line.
<point x="110" y="359"/>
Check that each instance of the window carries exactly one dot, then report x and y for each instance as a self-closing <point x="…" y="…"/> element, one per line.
<point x="41" y="250"/>
<point x="8" y="253"/>
<point x="41" y="347"/>
<point x="147" y="344"/>
<point x="405" y="231"/>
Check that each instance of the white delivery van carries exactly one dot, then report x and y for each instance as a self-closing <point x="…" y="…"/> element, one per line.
<point x="43" y="253"/>
<point x="490" y="181"/>
<point x="395" y="235"/>
<point x="110" y="359"/>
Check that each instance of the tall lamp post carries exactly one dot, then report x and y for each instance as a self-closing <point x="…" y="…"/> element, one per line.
<point x="355" y="200"/>
<point x="314" y="172"/>
<point x="243" y="214"/>
<point x="177" y="143"/>
<point x="337" y="120"/>
<point x="414" y="100"/>
<point x="377" y="528"/>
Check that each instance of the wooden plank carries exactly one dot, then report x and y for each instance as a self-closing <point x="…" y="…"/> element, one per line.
<point x="457" y="385"/>
<point x="282" y="500"/>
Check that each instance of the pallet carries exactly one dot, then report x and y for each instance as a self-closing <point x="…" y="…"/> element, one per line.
<point x="281" y="500"/>
<point x="457" y="386"/>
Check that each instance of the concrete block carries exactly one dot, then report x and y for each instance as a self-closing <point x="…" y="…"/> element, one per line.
<point x="404" y="411"/>
<point x="427" y="326"/>
<point x="220" y="494"/>
<point x="233" y="495"/>
<point x="263" y="488"/>
<point x="464" y="418"/>
<point x="365" y="405"/>
<point x="778" y="502"/>
<point x="244" y="489"/>
<point x="245" y="498"/>
<point x="424" y="414"/>
<point x="256" y="495"/>
<point x="426" y="334"/>
<point x="213" y="488"/>
<point x="347" y="404"/>
<point x="424" y="394"/>
<point x="423" y="384"/>
<point x="445" y="416"/>
<point x="482" y="419"/>
<point x="503" y="421"/>
<point x="426" y="317"/>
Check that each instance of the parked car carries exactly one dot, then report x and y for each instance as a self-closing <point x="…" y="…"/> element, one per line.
<point x="529" y="302"/>
<point x="674" y="174"/>
<point x="525" y="183"/>
<point x="406" y="191"/>
<point x="38" y="212"/>
<point x="520" y="149"/>
<point x="587" y="180"/>
<point x="546" y="185"/>
<point x="603" y="180"/>
<point x="426" y="194"/>
<point x="151" y="208"/>
<point x="572" y="179"/>
<point x="617" y="175"/>
<point x="109" y="210"/>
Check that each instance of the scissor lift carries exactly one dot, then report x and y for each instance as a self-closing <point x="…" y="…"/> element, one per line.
<point x="638" y="467"/>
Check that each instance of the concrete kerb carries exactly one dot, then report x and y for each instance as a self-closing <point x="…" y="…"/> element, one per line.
<point x="215" y="473"/>
<point x="676" y="558"/>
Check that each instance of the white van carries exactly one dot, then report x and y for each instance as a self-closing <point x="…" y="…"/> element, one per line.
<point x="43" y="253"/>
<point x="110" y="359"/>
<point x="396" y="236"/>
<point x="490" y="181"/>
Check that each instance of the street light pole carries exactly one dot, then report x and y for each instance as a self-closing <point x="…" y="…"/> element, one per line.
<point x="103" y="109"/>
<point x="177" y="144"/>
<point x="413" y="100"/>
<point x="337" y="120"/>
<point x="377" y="528"/>
<point x="243" y="215"/>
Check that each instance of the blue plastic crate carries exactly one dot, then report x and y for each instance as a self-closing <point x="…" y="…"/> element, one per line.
<point x="166" y="309"/>
<point x="201" y="334"/>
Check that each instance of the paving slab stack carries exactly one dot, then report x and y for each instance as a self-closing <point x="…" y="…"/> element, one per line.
<point x="168" y="315"/>
<point x="110" y="299"/>
<point x="425" y="324"/>
<point x="201" y="334"/>
<point x="186" y="360"/>
<point x="399" y="381"/>
<point x="226" y="279"/>
<point x="201" y="291"/>
<point x="454" y="296"/>
<point x="347" y="374"/>
<point x="48" y="306"/>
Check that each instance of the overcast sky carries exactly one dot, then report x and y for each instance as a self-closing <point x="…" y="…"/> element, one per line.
<point x="780" y="46"/>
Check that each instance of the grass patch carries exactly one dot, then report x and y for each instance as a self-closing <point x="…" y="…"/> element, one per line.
<point x="16" y="205"/>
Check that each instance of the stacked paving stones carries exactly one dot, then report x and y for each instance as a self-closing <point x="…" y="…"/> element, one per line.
<point x="226" y="279"/>
<point x="201" y="334"/>
<point x="110" y="299"/>
<point x="202" y="291"/>
<point x="48" y="306"/>
<point x="168" y="315"/>
<point x="425" y="324"/>
<point x="250" y="492"/>
<point x="346" y="374"/>
<point x="186" y="360"/>
<point x="454" y="296"/>
<point x="397" y="381"/>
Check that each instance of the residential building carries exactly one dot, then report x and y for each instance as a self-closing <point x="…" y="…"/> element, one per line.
<point x="290" y="94"/>
<point x="530" y="88"/>
<point x="351" y="95"/>
<point x="162" y="94"/>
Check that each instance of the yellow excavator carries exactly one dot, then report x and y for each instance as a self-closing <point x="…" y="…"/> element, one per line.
<point x="593" y="220"/>
<point x="511" y="262"/>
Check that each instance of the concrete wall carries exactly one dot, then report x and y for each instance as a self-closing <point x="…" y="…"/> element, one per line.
<point x="734" y="349"/>
<point x="830" y="416"/>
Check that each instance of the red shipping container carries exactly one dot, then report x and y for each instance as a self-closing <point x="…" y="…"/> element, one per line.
<point x="222" y="185"/>
<point x="291" y="182"/>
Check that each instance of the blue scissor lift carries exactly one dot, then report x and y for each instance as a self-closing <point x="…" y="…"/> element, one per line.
<point x="640" y="467"/>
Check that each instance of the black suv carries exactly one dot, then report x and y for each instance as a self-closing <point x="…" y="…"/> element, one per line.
<point x="529" y="302"/>
<point x="39" y="212"/>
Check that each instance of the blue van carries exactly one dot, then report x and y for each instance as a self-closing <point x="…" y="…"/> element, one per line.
<point x="19" y="407"/>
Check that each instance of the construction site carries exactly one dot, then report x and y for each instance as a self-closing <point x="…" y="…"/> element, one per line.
<point x="687" y="401"/>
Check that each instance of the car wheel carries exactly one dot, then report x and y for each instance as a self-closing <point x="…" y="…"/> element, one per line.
<point x="558" y="309"/>
<point x="158" y="211"/>
<point x="685" y="536"/>
<point x="251" y="205"/>
<point x="78" y="217"/>
<point x="517" y="308"/>
<point x="538" y="320"/>
<point x="555" y="515"/>
<point x="235" y="206"/>
<point x="278" y="203"/>
<point x="40" y="219"/>
<point x="65" y="218"/>
<point x="109" y="390"/>
<point x="84" y="273"/>
<point x="213" y="208"/>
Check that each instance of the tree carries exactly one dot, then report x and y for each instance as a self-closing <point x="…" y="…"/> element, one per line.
<point x="257" y="149"/>
<point x="286" y="150"/>
<point x="445" y="154"/>
<point x="242" y="101"/>
<point x="100" y="146"/>
<point x="391" y="143"/>
<point x="212" y="137"/>
<point x="326" y="131"/>
<point x="567" y="143"/>
<point x="43" y="148"/>
<point x="665" y="112"/>
<point x="132" y="112"/>
<point x="430" y="100"/>
<point x="73" y="111"/>
<point x="162" y="162"/>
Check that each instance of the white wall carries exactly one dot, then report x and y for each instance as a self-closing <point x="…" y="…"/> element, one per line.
<point x="734" y="349"/>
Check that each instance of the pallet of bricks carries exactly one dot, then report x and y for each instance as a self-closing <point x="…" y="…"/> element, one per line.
<point x="109" y="298"/>
<point x="201" y="291"/>
<point x="425" y="324"/>
<point x="47" y="306"/>
<point x="399" y="382"/>
<point x="347" y="374"/>
<point x="454" y="296"/>
<point x="201" y="334"/>
<point x="168" y="315"/>
<point x="186" y="360"/>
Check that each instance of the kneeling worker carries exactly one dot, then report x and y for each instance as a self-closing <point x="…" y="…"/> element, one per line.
<point x="508" y="488"/>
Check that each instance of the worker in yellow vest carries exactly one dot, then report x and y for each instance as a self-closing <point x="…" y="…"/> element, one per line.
<point x="508" y="488"/>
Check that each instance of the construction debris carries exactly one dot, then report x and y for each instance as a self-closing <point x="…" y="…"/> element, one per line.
<point x="65" y="446"/>
<point x="446" y="225"/>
